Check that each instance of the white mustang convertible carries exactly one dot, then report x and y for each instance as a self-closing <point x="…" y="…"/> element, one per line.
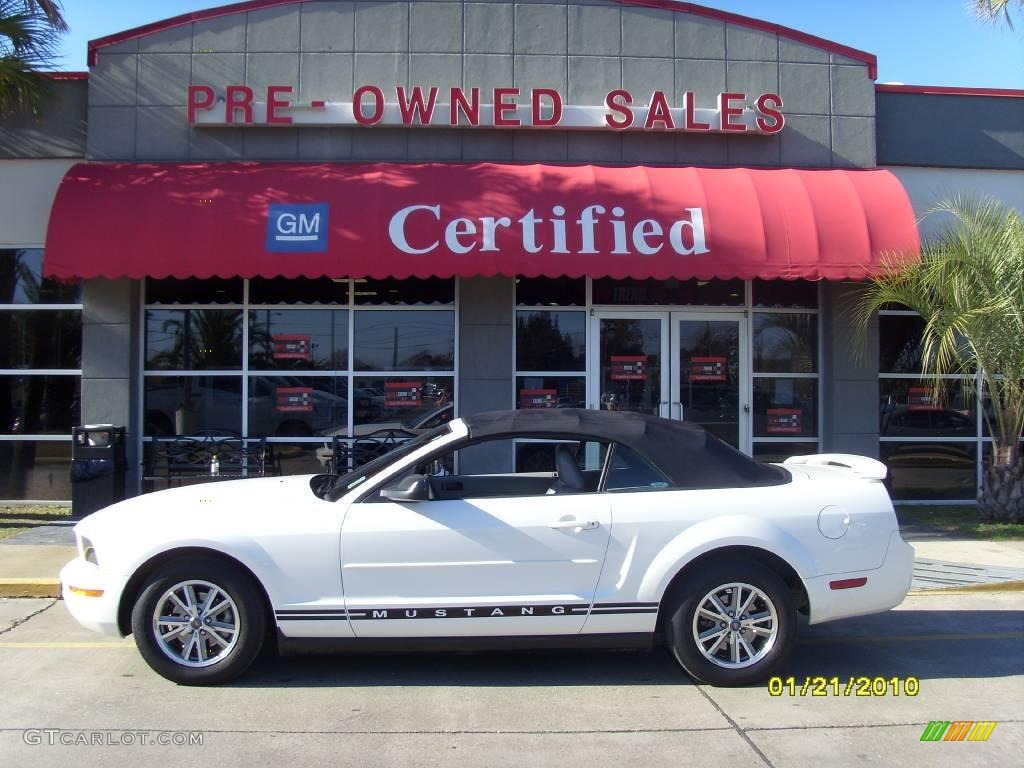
<point x="624" y="530"/>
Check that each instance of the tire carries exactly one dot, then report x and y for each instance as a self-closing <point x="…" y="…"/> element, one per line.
<point x="772" y="605"/>
<point x="238" y="620"/>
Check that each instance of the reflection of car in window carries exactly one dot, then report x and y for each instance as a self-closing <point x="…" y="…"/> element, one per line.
<point x="907" y="421"/>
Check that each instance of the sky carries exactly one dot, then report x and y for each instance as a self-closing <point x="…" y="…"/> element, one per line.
<point x="918" y="42"/>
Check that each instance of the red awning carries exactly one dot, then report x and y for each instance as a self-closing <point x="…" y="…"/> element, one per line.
<point x="399" y="220"/>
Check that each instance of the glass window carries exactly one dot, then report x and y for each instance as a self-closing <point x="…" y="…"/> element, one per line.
<point x="551" y="392"/>
<point x="909" y="408"/>
<point x="22" y="281"/>
<point x="785" y="293"/>
<point x="693" y="292"/>
<point x="298" y="290"/>
<point x="931" y="470"/>
<point x="193" y="339"/>
<point x="785" y="343"/>
<point x="899" y="343"/>
<point x="404" y="341"/>
<point x="41" y="339"/>
<point x="298" y="339"/>
<point x="429" y="290"/>
<point x="39" y="405"/>
<point x="185" y="405"/>
<point x="785" y="407"/>
<point x="297" y="406"/>
<point x="298" y="458"/>
<point x="539" y="456"/>
<point x="194" y="290"/>
<point x="35" y="469"/>
<point x="551" y="341"/>
<point x="629" y="471"/>
<point x="551" y="291"/>
<point x="776" y="453"/>
<point x="406" y="405"/>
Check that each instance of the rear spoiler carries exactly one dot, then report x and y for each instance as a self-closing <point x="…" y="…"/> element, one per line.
<point x="861" y="466"/>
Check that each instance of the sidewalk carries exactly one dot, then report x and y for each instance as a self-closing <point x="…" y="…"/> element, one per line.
<point x="30" y="562"/>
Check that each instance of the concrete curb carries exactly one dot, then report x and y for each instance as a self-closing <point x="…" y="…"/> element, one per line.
<point x="29" y="587"/>
<point x="964" y="589"/>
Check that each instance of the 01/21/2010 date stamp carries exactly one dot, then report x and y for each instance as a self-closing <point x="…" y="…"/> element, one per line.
<point x="849" y="686"/>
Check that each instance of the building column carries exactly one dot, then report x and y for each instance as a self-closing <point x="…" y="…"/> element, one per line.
<point x="849" y="384"/>
<point x="486" y="364"/>
<point x="110" y="362"/>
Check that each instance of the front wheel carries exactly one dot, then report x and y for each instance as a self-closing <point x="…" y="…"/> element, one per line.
<point x="199" y="621"/>
<point x="733" y="623"/>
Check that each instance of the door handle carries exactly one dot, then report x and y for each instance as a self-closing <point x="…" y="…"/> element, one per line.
<point x="579" y="525"/>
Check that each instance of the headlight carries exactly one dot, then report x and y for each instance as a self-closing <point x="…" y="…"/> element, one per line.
<point x="87" y="550"/>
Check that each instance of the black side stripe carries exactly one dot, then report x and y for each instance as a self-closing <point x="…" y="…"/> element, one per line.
<point x="464" y="612"/>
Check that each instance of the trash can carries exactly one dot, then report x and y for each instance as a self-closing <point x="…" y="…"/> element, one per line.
<point x="97" y="467"/>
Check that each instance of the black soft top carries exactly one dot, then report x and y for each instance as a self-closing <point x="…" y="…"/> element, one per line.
<point x="684" y="452"/>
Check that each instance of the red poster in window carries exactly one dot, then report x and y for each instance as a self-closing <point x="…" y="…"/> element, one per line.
<point x="292" y="346"/>
<point x="294" y="399"/>
<point x="784" y="421"/>
<point x="403" y="394"/>
<point x="538" y="398"/>
<point x="920" y="399"/>
<point x="629" y="368"/>
<point x="707" y="369"/>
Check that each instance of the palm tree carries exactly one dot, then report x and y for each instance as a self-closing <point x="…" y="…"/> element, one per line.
<point x="29" y="32"/>
<point x="969" y="289"/>
<point x="994" y="10"/>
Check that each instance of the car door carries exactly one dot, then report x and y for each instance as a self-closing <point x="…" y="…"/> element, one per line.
<point x="523" y="562"/>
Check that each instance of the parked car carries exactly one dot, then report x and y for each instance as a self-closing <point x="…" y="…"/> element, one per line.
<point x="710" y="552"/>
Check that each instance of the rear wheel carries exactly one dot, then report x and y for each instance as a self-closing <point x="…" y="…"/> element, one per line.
<point x="199" y="621"/>
<point x="732" y="623"/>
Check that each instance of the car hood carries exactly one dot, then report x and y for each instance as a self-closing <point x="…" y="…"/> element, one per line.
<point x="172" y="511"/>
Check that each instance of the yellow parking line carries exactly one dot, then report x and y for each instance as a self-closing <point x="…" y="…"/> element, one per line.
<point x="96" y="644"/>
<point x="913" y="638"/>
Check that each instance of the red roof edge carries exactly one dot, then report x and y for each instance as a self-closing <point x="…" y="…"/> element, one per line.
<point x="178" y="21"/>
<point x="65" y="75"/>
<point x="793" y="34"/>
<point x="948" y="90"/>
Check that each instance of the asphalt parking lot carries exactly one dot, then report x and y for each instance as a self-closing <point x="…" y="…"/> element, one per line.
<point x="560" y="708"/>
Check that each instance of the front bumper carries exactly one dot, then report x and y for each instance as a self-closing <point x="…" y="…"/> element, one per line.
<point x="886" y="586"/>
<point x="96" y="613"/>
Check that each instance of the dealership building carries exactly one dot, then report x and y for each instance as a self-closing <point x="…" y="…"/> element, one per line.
<point x="325" y="225"/>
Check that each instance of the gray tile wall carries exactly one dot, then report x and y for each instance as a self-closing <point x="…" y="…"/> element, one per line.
<point x="584" y="47"/>
<point x="110" y="360"/>
<point x="849" y="386"/>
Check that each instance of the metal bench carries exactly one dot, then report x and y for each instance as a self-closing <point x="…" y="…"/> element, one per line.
<point x="207" y="456"/>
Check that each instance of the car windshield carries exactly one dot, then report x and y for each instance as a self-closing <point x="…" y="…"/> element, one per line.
<point x="345" y="483"/>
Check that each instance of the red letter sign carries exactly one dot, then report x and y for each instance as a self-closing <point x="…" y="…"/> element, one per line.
<point x="501" y="107"/>
<point x="415" y="107"/>
<point x="691" y="123"/>
<point x="471" y="108"/>
<point x="728" y="111"/>
<point x="274" y="104"/>
<point x="378" y="106"/>
<point x="658" y="112"/>
<point x="556" y="107"/>
<point x="199" y="97"/>
<point x="769" y="105"/>
<point x="612" y="102"/>
<point x="234" y="102"/>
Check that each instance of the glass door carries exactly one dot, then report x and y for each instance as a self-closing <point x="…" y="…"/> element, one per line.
<point x="710" y="382"/>
<point x="630" y="367"/>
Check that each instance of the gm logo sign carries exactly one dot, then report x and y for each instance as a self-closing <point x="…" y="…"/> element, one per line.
<point x="300" y="228"/>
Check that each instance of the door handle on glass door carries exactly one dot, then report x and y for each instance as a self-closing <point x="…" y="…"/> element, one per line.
<point x="579" y="525"/>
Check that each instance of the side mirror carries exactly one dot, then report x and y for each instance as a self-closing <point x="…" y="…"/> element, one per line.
<point x="410" y="488"/>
